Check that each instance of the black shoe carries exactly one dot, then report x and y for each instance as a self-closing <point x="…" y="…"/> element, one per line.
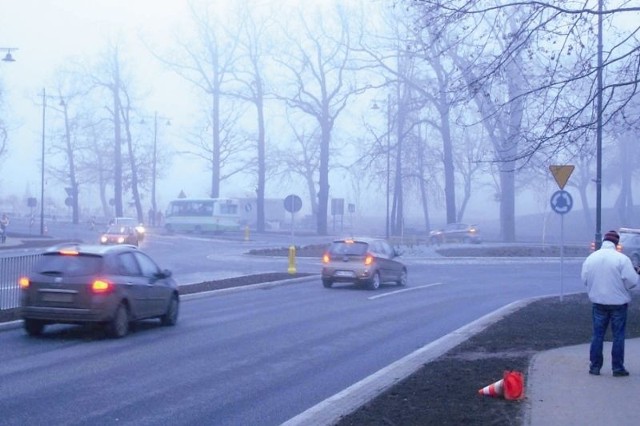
<point x="620" y="373"/>
<point x="594" y="371"/>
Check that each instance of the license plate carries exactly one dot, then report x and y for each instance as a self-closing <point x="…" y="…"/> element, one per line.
<point x="57" y="297"/>
<point x="345" y="274"/>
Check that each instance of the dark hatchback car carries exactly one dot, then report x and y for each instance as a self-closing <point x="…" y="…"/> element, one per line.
<point x="455" y="233"/>
<point x="92" y="284"/>
<point x="362" y="261"/>
<point x="120" y="234"/>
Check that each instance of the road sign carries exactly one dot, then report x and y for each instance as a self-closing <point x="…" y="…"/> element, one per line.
<point x="561" y="174"/>
<point x="292" y="203"/>
<point x="561" y="202"/>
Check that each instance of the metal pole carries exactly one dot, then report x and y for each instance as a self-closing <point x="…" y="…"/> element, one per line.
<point x="153" y="172"/>
<point x="598" y="236"/>
<point x="44" y="107"/>
<point x="388" y="160"/>
<point x="561" y="257"/>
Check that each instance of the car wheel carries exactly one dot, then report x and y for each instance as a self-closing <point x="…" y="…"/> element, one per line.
<point x="402" y="281"/>
<point x="119" y="325"/>
<point x="33" y="327"/>
<point x="171" y="315"/>
<point x="374" y="284"/>
<point x="327" y="283"/>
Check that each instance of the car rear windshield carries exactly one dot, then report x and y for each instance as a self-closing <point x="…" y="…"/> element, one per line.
<point x="348" y="249"/>
<point x="70" y="265"/>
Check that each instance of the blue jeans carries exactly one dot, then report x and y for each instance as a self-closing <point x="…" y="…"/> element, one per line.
<point x="602" y="315"/>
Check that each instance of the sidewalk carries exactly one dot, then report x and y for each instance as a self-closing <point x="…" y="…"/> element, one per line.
<point x="560" y="391"/>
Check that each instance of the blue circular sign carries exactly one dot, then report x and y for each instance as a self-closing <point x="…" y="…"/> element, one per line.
<point x="561" y="202"/>
<point x="292" y="203"/>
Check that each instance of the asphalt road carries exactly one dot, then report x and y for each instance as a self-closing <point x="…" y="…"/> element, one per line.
<point x="259" y="356"/>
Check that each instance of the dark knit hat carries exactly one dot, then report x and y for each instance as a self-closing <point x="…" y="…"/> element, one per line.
<point x="612" y="236"/>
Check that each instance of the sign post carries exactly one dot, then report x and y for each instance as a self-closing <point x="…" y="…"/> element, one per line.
<point x="561" y="203"/>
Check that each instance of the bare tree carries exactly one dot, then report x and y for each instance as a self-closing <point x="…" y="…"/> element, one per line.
<point x="250" y="76"/>
<point x="318" y="64"/>
<point x="69" y="92"/>
<point x="208" y="62"/>
<point x="303" y="159"/>
<point x="548" y="50"/>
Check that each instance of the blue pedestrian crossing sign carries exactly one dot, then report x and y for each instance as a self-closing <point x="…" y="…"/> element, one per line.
<point x="561" y="202"/>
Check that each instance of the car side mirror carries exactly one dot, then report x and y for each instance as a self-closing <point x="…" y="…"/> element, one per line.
<point x="164" y="274"/>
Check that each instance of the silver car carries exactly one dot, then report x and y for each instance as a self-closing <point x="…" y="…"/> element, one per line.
<point x="365" y="261"/>
<point x="630" y="244"/>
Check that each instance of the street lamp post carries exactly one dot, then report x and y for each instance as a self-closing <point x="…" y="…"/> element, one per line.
<point x="154" y="206"/>
<point x="598" y="236"/>
<point x="388" y="160"/>
<point x="154" y="165"/>
<point x="8" y="57"/>
<point x="44" y="108"/>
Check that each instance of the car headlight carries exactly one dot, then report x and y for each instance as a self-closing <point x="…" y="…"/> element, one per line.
<point x="140" y="229"/>
<point x="103" y="239"/>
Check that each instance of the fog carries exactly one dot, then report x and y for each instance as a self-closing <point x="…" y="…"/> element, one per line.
<point x="157" y="41"/>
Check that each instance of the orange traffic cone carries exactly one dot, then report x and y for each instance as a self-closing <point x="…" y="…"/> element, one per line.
<point x="513" y="385"/>
<point x="494" y="389"/>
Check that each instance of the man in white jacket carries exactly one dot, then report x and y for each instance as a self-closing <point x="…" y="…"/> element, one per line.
<point x="609" y="275"/>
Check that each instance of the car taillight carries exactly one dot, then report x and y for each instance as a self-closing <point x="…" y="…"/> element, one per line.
<point x="618" y="247"/>
<point x="326" y="258"/>
<point x="368" y="260"/>
<point x="101" y="286"/>
<point x="69" y="252"/>
<point x="24" y="283"/>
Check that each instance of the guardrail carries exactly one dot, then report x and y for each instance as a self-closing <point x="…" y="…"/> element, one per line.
<point x="11" y="269"/>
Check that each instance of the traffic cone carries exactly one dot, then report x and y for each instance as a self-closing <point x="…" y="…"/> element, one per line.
<point x="513" y="385"/>
<point x="494" y="389"/>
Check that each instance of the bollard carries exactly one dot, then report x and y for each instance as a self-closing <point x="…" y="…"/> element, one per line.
<point x="246" y="233"/>
<point x="292" y="260"/>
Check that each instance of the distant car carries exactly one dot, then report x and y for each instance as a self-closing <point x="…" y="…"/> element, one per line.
<point x="626" y="236"/>
<point x="629" y="244"/>
<point x="455" y="232"/>
<point x="108" y="285"/>
<point x="362" y="261"/>
<point x="129" y="221"/>
<point x="120" y="234"/>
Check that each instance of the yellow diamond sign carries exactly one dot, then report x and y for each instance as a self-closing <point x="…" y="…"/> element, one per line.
<point x="561" y="174"/>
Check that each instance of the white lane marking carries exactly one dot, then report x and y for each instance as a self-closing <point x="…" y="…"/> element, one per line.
<point x="393" y="293"/>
